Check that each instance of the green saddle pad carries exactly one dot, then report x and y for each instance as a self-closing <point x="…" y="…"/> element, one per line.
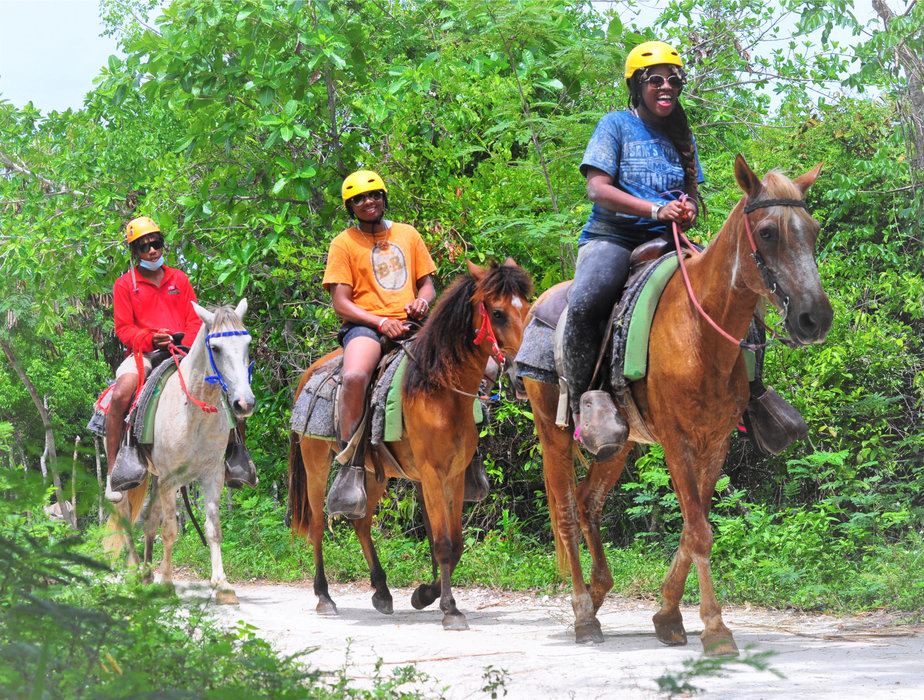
<point x="150" y="409"/>
<point x="636" y="353"/>
<point x="394" y="420"/>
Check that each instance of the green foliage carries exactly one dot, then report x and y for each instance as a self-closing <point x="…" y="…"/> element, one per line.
<point x="680" y="684"/>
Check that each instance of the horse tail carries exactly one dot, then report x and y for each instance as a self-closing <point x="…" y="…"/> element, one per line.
<point x="299" y="505"/>
<point x="121" y="521"/>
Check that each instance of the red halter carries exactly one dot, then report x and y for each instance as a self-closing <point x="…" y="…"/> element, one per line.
<point x="487" y="332"/>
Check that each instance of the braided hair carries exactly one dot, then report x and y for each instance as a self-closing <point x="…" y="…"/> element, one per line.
<point x="677" y="127"/>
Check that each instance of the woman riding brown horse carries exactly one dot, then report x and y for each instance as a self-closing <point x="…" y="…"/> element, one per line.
<point x="482" y="315"/>
<point x="693" y="395"/>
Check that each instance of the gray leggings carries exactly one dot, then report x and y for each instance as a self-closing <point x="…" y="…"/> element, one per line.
<point x="599" y="276"/>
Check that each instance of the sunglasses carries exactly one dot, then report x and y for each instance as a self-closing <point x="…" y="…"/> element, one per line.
<point x="656" y="81"/>
<point x="144" y="247"/>
<point x="375" y="196"/>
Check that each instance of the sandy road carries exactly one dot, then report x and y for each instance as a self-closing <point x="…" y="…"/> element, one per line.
<point x="525" y="643"/>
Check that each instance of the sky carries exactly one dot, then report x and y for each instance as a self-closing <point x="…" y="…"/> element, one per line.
<point x="50" y="52"/>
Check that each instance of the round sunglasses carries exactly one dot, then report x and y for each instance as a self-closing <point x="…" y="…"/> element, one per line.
<point x="656" y="81"/>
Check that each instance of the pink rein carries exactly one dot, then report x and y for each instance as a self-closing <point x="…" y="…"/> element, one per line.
<point x="486" y="332"/>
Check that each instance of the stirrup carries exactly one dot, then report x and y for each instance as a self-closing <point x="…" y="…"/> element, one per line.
<point x="239" y="467"/>
<point x="772" y="423"/>
<point x="129" y="471"/>
<point x="476" y="481"/>
<point x="347" y="495"/>
<point x="602" y="430"/>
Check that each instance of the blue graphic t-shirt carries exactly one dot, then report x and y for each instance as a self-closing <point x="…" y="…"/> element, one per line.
<point x="643" y="162"/>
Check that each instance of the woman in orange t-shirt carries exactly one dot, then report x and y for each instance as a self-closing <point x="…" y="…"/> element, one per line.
<point x="379" y="275"/>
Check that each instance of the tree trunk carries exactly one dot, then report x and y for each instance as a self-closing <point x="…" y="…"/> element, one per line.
<point x="50" y="450"/>
<point x="914" y="74"/>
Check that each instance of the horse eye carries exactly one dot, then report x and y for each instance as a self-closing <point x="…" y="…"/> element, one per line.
<point x="768" y="232"/>
<point x="497" y="314"/>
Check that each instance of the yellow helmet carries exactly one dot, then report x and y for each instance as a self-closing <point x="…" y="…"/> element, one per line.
<point x="651" y="53"/>
<point x="139" y="227"/>
<point x="361" y="181"/>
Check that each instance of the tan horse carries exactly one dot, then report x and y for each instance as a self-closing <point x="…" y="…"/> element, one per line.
<point x="446" y="363"/>
<point x="693" y="396"/>
<point x="189" y="443"/>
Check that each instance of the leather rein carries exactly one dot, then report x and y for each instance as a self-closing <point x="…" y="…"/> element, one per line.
<point x="766" y="273"/>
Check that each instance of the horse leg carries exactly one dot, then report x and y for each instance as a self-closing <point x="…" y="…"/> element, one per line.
<point x="211" y="497"/>
<point x="443" y="495"/>
<point x="166" y="504"/>
<point x="152" y="522"/>
<point x="316" y="457"/>
<point x="590" y="496"/>
<point x="695" y="547"/>
<point x="426" y="593"/>
<point x="558" y="469"/>
<point x="381" y="599"/>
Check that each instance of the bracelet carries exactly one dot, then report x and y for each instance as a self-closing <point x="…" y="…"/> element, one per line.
<point x="382" y="322"/>
<point x="655" y="210"/>
<point x="425" y="302"/>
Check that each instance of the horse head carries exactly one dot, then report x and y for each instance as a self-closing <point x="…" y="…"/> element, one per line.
<point x="782" y="242"/>
<point x="503" y="290"/>
<point x="227" y="343"/>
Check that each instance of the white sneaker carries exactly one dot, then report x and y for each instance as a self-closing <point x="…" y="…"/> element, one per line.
<point x="112" y="496"/>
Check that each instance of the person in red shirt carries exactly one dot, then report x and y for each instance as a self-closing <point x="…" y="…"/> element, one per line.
<point x="152" y="308"/>
<point x="379" y="275"/>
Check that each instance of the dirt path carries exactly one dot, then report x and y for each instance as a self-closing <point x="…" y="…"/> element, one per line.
<point x="528" y="641"/>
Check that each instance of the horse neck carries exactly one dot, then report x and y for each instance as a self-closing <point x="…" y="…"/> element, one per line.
<point x="719" y="279"/>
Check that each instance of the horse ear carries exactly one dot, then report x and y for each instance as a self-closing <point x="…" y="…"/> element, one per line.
<point x="474" y="270"/>
<point x="510" y="262"/>
<point x="207" y="316"/>
<point x="803" y="182"/>
<point x="241" y="308"/>
<point x="747" y="179"/>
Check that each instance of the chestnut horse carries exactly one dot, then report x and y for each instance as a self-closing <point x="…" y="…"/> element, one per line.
<point x="694" y="394"/>
<point x="446" y="362"/>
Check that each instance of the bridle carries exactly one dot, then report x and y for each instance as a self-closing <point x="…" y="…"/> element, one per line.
<point x="486" y="332"/>
<point x="766" y="272"/>
<point x="211" y="379"/>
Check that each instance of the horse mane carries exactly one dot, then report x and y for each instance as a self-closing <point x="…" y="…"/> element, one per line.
<point x="226" y="320"/>
<point x="446" y="340"/>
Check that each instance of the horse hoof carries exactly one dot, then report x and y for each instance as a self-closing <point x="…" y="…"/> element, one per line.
<point x="327" y="608"/>
<point x="719" y="645"/>
<point x="455" y="622"/>
<point x="226" y="596"/>
<point x="669" y="629"/>
<point x="422" y="597"/>
<point x="383" y="604"/>
<point x="588" y="632"/>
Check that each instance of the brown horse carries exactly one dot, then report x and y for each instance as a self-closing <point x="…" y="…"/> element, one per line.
<point x="446" y="363"/>
<point x="693" y="396"/>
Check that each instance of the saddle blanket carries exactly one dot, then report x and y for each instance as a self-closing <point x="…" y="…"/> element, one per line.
<point x="313" y="413"/>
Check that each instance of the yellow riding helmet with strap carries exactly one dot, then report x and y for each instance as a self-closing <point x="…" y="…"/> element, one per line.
<point x="361" y="181"/>
<point x="142" y="226"/>
<point x="651" y="53"/>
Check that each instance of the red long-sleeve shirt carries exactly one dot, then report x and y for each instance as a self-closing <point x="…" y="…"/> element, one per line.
<point x="139" y="308"/>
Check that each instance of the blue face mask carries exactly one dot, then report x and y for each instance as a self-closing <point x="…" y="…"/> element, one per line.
<point x="148" y="265"/>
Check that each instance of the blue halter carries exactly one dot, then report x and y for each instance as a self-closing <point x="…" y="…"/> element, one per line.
<point x="216" y="378"/>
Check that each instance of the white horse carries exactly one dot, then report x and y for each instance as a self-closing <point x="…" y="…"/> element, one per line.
<point x="189" y="442"/>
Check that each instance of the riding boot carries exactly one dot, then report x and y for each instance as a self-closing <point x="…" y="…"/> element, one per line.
<point x="476" y="481"/>
<point x="128" y="471"/>
<point x="602" y="430"/>
<point x="772" y="423"/>
<point x="239" y="467"/>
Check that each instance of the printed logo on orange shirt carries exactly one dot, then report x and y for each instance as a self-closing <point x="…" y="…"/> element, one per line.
<point x="390" y="267"/>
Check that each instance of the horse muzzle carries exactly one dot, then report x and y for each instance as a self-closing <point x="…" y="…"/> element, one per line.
<point x="810" y="324"/>
<point x="242" y="405"/>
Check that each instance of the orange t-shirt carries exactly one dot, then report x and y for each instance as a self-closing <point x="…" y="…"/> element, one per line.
<point x="383" y="275"/>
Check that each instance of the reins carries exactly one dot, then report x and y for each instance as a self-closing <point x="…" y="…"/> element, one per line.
<point x="767" y="275"/>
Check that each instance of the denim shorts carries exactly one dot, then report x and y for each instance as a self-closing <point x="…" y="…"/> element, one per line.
<point x="349" y="330"/>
